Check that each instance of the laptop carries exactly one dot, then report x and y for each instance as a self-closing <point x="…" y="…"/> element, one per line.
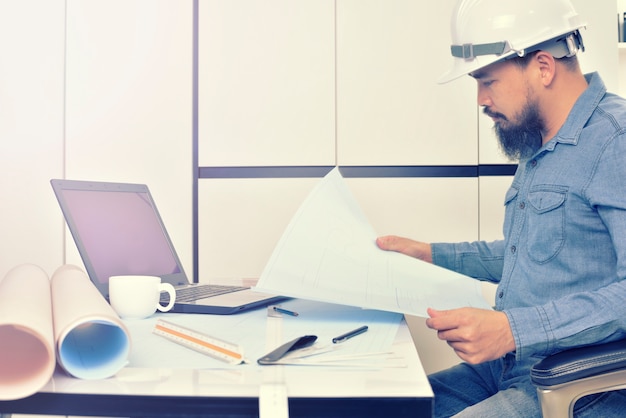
<point x="118" y="231"/>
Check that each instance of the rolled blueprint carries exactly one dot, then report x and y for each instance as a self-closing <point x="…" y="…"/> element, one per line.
<point x="91" y="340"/>
<point x="27" y="357"/>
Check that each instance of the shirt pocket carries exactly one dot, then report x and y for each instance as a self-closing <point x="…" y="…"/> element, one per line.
<point x="546" y="223"/>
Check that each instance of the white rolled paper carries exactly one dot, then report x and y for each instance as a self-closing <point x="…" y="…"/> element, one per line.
<point x="91" y="340"/>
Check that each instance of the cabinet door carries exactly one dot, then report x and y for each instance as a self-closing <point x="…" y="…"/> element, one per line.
<point x="390" y="109"/>
<point x="266" y="83"/>
<point x="129" y="102"/>
<point x="241" y="220"/>
<point x="31" y="132"/>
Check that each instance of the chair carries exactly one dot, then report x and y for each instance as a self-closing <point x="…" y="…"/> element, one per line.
<point x="563" y="378"/>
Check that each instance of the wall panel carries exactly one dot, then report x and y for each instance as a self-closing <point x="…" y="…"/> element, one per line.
<point x="390" y="109"/>
<point x="266" y="82"/>
<point x="129" y="102"/>
<point x="241" y="221"/>
<point x="31" y="132"/>
<point x="425" y="209"/>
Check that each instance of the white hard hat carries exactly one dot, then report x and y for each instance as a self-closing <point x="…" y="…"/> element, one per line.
<point x="486" y="31"/>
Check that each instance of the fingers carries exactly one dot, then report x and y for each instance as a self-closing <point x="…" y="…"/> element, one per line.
<point x="388" y="243"/>
<point x="405" y="246"/>
<point x="433" y="313"/>
<point x="442" y="320"/>
<point x="446" y="323"/>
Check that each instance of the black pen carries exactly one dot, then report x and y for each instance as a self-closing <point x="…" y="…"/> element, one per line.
<point x="285" y="311"/>
<point x="348" y="335"/>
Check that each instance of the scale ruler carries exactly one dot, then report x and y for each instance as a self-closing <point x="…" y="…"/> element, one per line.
<point x="195" y="340"/>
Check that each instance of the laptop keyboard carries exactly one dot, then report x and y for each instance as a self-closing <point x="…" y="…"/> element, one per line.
<point x="191" y="293"/>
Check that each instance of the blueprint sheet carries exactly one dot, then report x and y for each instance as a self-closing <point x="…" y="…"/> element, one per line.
<point x="328" y="253"/>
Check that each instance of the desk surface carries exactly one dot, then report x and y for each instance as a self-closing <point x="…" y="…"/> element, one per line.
<point x="399" y="388"/>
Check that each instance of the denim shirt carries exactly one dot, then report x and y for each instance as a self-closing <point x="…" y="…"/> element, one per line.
<point x="561" y="266"/>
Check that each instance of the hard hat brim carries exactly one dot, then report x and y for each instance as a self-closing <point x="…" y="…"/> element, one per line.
<point x="463" y="67"/>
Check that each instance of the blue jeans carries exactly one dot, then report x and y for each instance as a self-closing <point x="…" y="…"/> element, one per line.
<point x="499" y="389"/>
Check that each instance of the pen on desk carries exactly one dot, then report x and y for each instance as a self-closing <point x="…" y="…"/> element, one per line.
<point x="285" y="311"/>
<point x="348" y="335"/>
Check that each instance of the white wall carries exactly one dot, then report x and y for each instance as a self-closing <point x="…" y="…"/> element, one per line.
<point x="102" y="89"/>
<point x="32" y="71"/>
<point x="91" y="90"/>
<point x="129" y="103"/>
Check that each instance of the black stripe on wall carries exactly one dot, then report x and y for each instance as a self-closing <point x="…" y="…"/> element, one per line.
<point x="356" y="171"/>
<point x="497" y="169"/>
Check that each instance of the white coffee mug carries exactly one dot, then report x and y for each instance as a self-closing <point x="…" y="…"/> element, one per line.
<point x="137" y="297"/>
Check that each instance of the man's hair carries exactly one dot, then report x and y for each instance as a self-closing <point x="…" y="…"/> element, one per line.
<point x="571" y="63"/>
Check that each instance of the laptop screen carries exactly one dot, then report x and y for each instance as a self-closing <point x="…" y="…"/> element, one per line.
<point x="117" y="230"/>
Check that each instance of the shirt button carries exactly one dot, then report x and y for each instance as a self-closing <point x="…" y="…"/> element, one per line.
<point x="513" y="249"/>
<point x="522" y="205"/>
<point x="501" y="295"/>
<point x="533" y="163"/>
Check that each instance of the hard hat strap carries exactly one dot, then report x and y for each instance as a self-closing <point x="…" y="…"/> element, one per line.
<point x="562" y="46"/>
<point x="470" y="51"/>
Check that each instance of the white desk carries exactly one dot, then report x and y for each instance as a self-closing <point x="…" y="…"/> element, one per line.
<point x="233" y="391"/>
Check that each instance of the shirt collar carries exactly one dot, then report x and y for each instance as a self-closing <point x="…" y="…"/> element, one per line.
<point x="581" y="112"/>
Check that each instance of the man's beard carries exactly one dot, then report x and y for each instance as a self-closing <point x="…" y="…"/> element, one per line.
<point x="521" y="140"/>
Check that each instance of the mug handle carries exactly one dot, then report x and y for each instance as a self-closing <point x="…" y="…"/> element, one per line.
<point x="166" y="287"/>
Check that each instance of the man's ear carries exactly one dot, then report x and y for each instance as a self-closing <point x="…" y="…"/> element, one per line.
<point x="546" y="65"/>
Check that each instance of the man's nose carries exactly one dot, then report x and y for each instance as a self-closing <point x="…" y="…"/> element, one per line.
<point x="483" y="98"/>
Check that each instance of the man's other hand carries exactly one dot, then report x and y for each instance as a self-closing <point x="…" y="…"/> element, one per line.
<point x="476" y="335"/>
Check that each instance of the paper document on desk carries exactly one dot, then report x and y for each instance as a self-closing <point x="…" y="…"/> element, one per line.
<point x="256" y="334"/>
<point x="328" y="253"/>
